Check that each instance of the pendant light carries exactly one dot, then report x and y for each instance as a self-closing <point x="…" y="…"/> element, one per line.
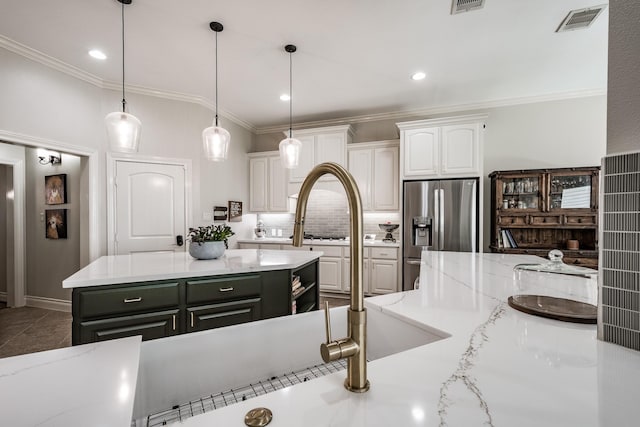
<point x="123" y="129"/>
<point x="290" y="147"/>
<point x="215" y="139"/>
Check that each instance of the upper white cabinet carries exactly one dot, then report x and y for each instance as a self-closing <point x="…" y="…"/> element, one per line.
<point x="267" y="183"/>
<point x="442" y="147"/>
<point x="319" y="145"/>
<point x="375" y="167"/>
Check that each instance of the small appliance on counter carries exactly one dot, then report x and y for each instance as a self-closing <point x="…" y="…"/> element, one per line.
<point x="260" y="230"/>
<point x="389" y="228"/>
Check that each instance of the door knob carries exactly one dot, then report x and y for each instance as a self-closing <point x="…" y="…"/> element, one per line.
<point x="179" y="240"/>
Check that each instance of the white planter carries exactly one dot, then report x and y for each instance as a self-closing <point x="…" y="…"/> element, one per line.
<point x="206" y="250"/>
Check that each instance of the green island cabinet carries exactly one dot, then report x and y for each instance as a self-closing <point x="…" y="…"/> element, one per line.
<point x="163" y="308"/>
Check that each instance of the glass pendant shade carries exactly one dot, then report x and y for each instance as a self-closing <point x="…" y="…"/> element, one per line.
<point x="290" y="152"/>
<point x="215" y="142"/>
<point x="123" y="131"/>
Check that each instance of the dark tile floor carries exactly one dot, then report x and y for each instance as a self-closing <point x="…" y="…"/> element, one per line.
<point x="28" y="329"/>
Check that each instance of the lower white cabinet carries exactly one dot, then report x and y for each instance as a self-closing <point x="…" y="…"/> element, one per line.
<point x="384" y="276"/>
<point x="379" y="266"/>
<point x="379" y="271"/>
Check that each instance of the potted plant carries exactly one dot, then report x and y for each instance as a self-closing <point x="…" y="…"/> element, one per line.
<point x="210" y="241"/>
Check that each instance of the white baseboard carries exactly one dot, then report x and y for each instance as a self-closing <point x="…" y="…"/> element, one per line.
<point x="3" y="296"/>
<point x="49" y="303"/>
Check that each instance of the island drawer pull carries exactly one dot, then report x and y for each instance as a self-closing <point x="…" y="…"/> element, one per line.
<point x="174" y="322"/>
<point x="229" y="289"/>
<point x="128" y="300"/>
<point x="192" y="319"/>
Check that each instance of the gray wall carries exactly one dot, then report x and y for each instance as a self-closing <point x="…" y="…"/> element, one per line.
<point x="623" y="122"/>
<point x="565" y="133"/>
<point x="4" y="187"/>
<point x="50" y="261"/>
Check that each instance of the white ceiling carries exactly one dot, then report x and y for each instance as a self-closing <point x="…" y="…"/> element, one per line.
<point x="355" y="57"/>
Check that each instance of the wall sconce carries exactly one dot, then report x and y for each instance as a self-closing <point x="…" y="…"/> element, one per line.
<point x="49" y="158"/>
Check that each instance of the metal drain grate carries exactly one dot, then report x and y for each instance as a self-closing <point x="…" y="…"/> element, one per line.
<point x="220" y="400"/>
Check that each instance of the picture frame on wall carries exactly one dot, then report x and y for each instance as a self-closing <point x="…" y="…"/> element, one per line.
<point x="56" y="224"/>
<point x="235" y="211"/>
<point x="55" y="189"/>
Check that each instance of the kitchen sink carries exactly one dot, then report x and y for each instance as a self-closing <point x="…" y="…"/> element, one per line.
<point x="229" y="364"/>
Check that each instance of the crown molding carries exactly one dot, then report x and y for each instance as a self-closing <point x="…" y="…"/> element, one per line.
<point x="55" y="64"/>
<point x="422" y="112"/>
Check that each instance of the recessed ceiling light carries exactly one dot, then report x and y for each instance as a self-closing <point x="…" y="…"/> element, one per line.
<point x="95" y="53"/>
<point x="284" y="97"/>
<point x="418" y="76"/>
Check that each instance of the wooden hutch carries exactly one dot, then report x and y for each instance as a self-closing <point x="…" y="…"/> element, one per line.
<point x="536" y="210"/>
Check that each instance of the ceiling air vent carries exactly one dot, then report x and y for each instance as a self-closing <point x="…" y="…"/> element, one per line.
<point x="580" y="18"/>
<point x="459" y="6"/>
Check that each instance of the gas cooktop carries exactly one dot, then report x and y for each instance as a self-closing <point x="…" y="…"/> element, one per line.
<point x="308" y="236"/>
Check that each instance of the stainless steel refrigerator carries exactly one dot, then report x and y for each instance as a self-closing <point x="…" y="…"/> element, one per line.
<point x="440" y="215"/>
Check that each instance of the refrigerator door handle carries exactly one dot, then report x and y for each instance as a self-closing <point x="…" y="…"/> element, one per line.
<point x="436" y="219"/>
<point x="441" y="218"/>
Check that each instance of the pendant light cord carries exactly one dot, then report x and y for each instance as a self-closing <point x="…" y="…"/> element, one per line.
<point x="216" y="78"/>
<point x="123" y="98"/>
<point x="290" y="93"/>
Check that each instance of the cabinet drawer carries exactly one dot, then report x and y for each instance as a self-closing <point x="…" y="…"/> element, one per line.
<point x="384" y="253"/>
<point x="546" y="219"/>
<point x="580" y="220"/>
<point x="150" y="326"/>
<point x="366" y="253"/>
<point x="223" y="288"/>
<point x="334" y="251"/>
<point x="222" y="314"/>
<point x="128" y="299"/>
<point x="512" y="220"/>
<point x="295" y="248"/>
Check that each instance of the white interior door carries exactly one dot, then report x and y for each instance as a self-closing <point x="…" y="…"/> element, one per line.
<point x="150" y="202"/>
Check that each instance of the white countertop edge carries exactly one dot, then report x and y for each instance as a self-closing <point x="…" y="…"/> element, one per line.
<point x="117" y="269"/>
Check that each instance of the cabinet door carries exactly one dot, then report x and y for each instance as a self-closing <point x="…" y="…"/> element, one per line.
<point x="460" y="149"/>
<point x="222" y="314"/>
<point x="360" y="166"/>
<point x="258" y="184"/>
<point x="149" y="325"/>
<point x="331" y="147"/>
<point x="330" y="274"/>
<point x="384" y="276"/>
<point x="346" y="276"/>
<point x="572" y="190"/>
<point x="306" y="161"/>
<point x="385" y="179"/>
<point x="421" y="157"/>
<point x="278" y="201"/>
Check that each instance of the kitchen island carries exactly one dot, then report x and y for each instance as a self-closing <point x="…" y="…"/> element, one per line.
<point x="165" y="293"/>
<point x="491" y="365"/>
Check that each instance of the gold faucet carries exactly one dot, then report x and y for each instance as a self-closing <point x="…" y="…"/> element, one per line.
<point x="354" y="346"/>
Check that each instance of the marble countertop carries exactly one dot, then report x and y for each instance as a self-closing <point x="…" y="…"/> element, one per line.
<point x="86" y="385"/>
<point x="496" y="366"/>
<point x="319" y="242"/>
<point x="140" y="267"/>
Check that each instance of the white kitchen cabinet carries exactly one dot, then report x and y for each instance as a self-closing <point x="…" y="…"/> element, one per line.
<point x="321" y="145"/>
<point x="375" y="167"/>
<point x="330" y="274"/>
<point x="384" y="276"/>
<point x="379" y="271"/>
<point x="442" y="147"/>
<point x="267" y="183"/>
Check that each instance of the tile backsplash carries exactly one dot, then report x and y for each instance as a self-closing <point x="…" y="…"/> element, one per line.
<point x="328" y="214"/>
<point x="619" y="319"/>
